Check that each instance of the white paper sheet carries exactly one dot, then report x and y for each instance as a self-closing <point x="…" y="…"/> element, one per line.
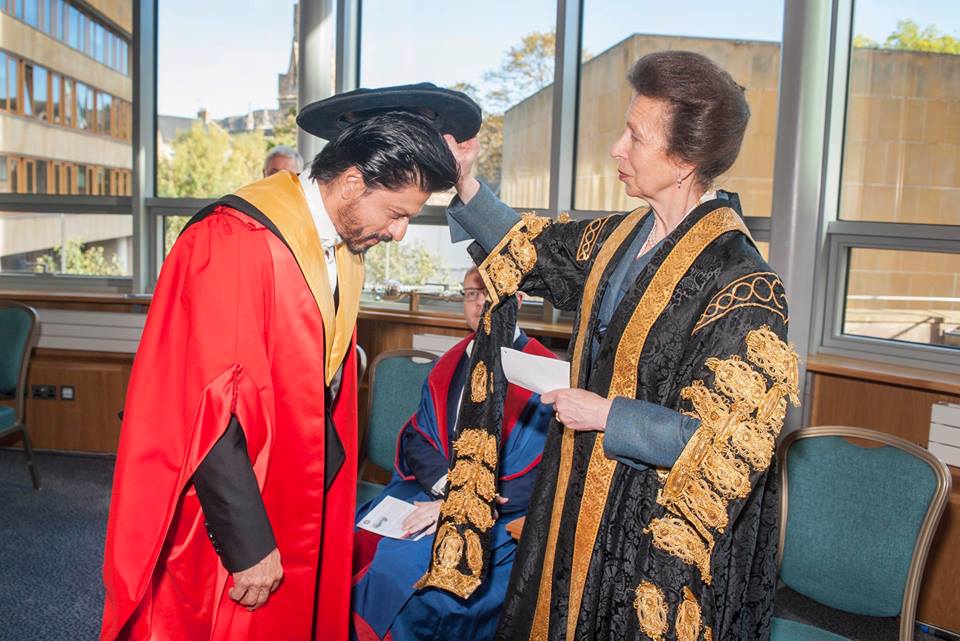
<point x="535" y="373"/>
<point x="386" y="518"/>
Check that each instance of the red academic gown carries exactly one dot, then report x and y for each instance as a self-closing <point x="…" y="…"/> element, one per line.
<point x="235" y="329"/>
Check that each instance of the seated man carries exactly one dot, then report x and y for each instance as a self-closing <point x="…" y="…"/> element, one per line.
<point x="384" y="599"/>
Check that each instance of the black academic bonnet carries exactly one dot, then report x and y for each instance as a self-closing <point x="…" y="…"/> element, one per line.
<point x="451" y="112"/>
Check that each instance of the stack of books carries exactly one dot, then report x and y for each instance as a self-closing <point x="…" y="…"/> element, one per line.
<point x="945" y="433"/>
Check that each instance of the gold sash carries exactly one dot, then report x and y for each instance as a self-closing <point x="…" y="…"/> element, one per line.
<point x="282" y="200"/>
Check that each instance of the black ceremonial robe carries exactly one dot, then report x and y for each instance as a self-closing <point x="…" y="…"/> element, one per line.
<point x="688" y="553"/>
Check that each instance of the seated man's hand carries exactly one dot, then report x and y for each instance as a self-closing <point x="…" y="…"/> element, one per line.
<point x="252" y="587"/>
<point x="426" y="515"/>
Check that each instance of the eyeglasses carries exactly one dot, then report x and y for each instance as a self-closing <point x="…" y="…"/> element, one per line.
<point x="471" y="294"/>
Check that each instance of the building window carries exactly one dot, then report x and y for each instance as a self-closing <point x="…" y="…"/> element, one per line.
<point x="216" y="121"/>
<point x="93" y="245"/>
<point x="894" y="272"/>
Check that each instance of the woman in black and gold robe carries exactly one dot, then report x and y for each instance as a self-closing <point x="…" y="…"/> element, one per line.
<point x="655" y="515"/>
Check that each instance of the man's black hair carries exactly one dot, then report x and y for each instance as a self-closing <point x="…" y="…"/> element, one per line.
<point x="392" y="150"/>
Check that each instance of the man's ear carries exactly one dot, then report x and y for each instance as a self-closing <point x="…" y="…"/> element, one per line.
<point x="352" y="185"/>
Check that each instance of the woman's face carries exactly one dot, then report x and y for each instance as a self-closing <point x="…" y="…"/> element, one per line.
<point x="643" y="164"/>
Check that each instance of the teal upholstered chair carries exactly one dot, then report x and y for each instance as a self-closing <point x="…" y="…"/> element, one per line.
<point x="19" y="328"/>
<point x="395" y="381"/>
<point x="856" y="525"/>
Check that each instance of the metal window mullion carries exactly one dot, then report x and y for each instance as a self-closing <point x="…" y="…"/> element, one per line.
<point x="349" y="14"/>
<point x="563" y="139"/>
<point x="144" y="143"/>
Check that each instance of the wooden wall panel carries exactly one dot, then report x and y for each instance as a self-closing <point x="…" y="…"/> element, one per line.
<point x="904" y="412"/>
<point x="892" y="409"/>
<point x="89" y="423"/>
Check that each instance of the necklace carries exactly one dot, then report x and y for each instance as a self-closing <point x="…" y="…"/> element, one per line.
<point x="648" y="244"/>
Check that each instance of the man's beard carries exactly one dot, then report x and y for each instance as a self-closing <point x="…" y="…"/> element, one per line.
<point x="352" y="234"/>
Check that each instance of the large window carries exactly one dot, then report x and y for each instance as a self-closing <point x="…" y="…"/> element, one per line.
<point x="226" y="93"/>
<point x="505" y="64"/>
<point x="618" y="32"/>
<point x="65" y="152"/>
<point x="896" y="245"/>
<point x="65" y="244"/>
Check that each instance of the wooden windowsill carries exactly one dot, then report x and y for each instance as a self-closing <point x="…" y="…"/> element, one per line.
<point x="901" y="376"/>
<point x="135" y="303"/>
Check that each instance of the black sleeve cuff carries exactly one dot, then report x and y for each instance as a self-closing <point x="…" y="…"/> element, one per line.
<point x="426" y="463"/>
<point x="236" y="518"/>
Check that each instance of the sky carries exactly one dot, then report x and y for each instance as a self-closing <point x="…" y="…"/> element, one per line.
<point x="225" y="56"/>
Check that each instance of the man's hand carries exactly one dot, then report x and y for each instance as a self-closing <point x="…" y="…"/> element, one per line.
<point x="465" y="153"/>
<point x="426" y="515"/>
<point x="252" y="587"/>
<point x="579" y="409"/>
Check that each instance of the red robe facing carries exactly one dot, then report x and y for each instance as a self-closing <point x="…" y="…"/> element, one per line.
<point x="236" y="329"/>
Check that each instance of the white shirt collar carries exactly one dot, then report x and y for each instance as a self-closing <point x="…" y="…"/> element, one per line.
<point x="325" y="229"/>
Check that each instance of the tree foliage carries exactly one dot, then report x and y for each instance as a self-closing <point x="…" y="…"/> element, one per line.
<point x="909" y="36"/>
<point x="408" y="263"/>
<point x="80" y="259"/>
<point x="209" y="162"/>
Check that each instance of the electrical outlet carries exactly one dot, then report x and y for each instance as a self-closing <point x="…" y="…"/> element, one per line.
<point x="68" y="393"/>
<point x="44" y="392"/>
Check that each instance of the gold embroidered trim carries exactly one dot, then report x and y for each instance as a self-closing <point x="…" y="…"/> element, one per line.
<point x="760" y="289"/>
<point x="677" y="538"/>
<point x="478" y="383"/>
<point x="478" y="444"/>
<point x="487" y="321"/>
<point x="472" y="487"/>
<point x="541" y="616"/>
<point x="604" y="256"/>
<point x="595" y="489"/>
<point x="473" y="477"/>
<point x="651" y="610"/>
<point x="742" y="417"/>
<point x="589" y="238"/>
<point x="444" y="572"/>
<point x="688" y="622"/>
<point x="708" y="634"/>
<point x="626" y="361"/>
<point x="513" y="258"/>
<point x="658" y="293"/>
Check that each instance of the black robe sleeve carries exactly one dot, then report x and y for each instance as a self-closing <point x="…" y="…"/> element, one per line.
<point x="236" y="519"/>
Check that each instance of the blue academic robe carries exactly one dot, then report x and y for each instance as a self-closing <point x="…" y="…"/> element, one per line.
<point x="385" y="604"/>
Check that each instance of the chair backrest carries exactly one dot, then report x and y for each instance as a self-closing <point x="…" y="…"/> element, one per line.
<point x="395" y="381"/>
<point x="19" y="327"/>
<point x="857" y="521"/>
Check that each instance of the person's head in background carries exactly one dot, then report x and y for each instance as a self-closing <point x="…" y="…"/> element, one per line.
<point x="474" y="296"/>
<point x="282" y="158"/>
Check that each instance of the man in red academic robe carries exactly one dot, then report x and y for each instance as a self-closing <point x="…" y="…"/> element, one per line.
<point x="234" y="492"/>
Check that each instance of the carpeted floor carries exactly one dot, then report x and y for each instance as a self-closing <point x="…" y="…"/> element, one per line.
<point x="51" y="551"/>
<point x="51" y="547"/>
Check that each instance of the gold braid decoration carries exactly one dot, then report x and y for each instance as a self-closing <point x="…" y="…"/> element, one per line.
<point x="760" y="289"/>
<point x="478" y="383"/>
<point x="677" y="538"/>
<point x="588" y="240"/>
<point x="742" y="417"/>
<point x="651" y="610"/>
<point x="513" y="258"/>
<point x="708" y="634"/>
<point x="688" y="622"/>
<point x="472" y="485"/>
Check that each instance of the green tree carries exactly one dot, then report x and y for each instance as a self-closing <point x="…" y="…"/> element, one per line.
<point x="80" y="259"/>
<point x="910" y="37"/>
<point x="406" y="263"/>
<point x="209" y="162"/>
<point x="525" y="69"/>
<point x="285" y="131"/>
